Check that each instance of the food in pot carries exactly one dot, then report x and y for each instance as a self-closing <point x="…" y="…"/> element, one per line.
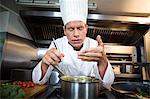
<point x="81" y="79"/>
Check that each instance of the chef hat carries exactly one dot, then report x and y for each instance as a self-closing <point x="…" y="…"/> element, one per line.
<point x="74" y="10"/>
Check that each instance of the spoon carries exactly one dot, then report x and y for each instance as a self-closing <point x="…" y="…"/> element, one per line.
<point x="56" y="66"/>
<point x="59" y="70"/>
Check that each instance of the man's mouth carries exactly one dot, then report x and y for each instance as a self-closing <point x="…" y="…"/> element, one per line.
<point x="76" y="41"/>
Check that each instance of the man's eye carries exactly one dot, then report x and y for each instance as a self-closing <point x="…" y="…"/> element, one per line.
<point x="80" y="28"/>
<point x="70" y="29"/>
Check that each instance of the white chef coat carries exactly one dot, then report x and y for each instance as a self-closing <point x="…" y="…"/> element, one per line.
<point x="71" y="65"/>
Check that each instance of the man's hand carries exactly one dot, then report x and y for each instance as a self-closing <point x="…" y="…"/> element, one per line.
<point x="51" y="57"/>
<point x="95" y="54"/>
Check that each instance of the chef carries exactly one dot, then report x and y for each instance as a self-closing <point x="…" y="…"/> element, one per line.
<point x="76" y="54"/>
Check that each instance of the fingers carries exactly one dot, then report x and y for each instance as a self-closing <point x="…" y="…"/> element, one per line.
<point x="90" y="56"/>
<point x="55" y="55"/>
<point x="99" y="40"/>
<point x="93" y="54"/>
<point x="94" y="50"/>
<point x="52" y="57"/>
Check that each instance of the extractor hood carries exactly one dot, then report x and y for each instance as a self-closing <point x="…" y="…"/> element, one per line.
<point x="44" y="25"/>
<point x="123" y="7"/>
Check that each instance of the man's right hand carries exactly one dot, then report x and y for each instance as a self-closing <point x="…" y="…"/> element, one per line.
<point x="52" y="57"/>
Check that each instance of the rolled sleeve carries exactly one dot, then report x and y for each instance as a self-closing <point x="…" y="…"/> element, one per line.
<point x="108" y="78"/>
<point x="37" y="74"/>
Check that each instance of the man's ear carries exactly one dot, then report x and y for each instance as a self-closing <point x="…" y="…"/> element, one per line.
<point x="87" y="27"/>
<point x="64" y="28"/>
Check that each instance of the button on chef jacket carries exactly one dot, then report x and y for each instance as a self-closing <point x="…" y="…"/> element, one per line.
<point x="71" y="65"/>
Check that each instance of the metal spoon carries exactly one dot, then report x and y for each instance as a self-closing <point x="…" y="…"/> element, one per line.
<point x="59" y="70"/>
<point x="56" y="66"/>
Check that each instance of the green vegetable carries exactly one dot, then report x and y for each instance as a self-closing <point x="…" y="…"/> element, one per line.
<point x="10" y="91"/>
<point x="141" y="92"/>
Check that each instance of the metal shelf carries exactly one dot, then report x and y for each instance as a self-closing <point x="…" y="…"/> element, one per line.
<point x="123" y="75"/>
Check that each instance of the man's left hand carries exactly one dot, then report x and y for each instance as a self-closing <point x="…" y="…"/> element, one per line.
<point x="94" y="54"/>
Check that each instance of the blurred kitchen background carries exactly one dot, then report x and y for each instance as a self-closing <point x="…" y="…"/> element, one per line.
<point x="28" y="26"/>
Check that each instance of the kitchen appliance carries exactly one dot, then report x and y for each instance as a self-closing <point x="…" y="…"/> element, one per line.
<point x="131" y="90"/>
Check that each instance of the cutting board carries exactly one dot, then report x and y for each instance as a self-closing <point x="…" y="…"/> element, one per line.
<point x="34" y="91"/>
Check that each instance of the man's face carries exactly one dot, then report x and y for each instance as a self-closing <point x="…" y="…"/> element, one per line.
<point x="76" y="33"/>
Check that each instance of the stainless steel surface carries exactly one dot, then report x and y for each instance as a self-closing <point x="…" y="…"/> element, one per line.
<point x="79" y="90"/>
<point x="49" y="3"/>
<point x="147" y="46"/>
<point x="146" y="73"/>
<point x="121" y="54"/>
<point x="12" y="23"/>
<point x="124" y="75"/>
<point x="124" y="19"/>
<point x="18" y="53"/>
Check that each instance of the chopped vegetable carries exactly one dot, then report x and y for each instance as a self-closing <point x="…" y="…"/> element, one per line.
<point x="141" y="92"/>
<point x="24" y="84"/>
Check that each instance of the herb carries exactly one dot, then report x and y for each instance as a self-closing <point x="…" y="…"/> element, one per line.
<point x="10" y="91"/>
<point x="141" y="92"/>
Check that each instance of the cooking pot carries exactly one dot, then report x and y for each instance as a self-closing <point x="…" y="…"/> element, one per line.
<point x="79" y="87"/>
<point x="131" y="90"/>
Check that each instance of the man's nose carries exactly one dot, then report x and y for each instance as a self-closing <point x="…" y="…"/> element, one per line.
<point x="76" y="33"/>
